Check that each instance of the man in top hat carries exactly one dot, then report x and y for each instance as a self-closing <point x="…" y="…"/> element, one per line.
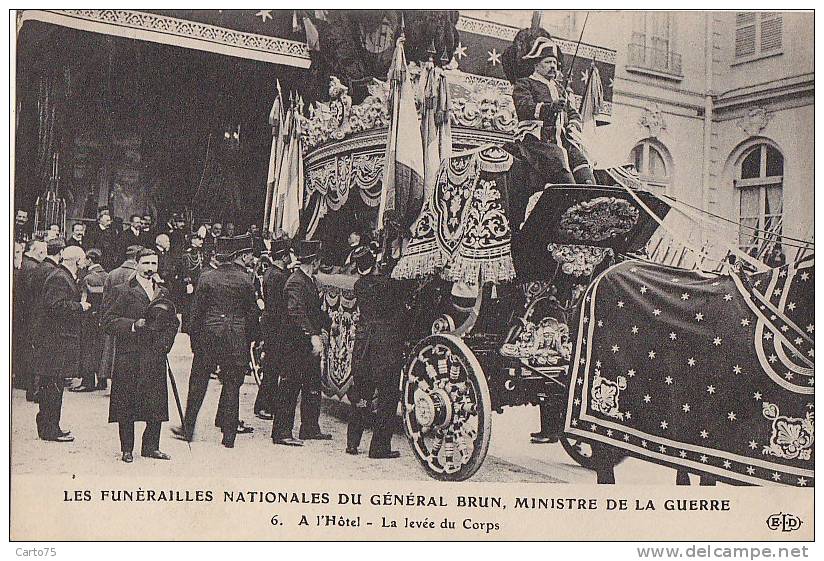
<point x="376" y="357"/>
<point x="303" y="351"/>
<point x="144" y="321"/>
<point x="57" y="340"/>
<point x="272" y="325"/>
<point x="551" y="125"/>
<point x="223" y="323"/>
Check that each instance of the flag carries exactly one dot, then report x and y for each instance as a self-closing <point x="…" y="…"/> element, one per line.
<point x="592" y="102"/>
<point x="312" y="36"/>
<point x="436" y="130"/>
<point x="288" y="192"/>
<point x="275" y="153"/>
<point x="403" y="171"/>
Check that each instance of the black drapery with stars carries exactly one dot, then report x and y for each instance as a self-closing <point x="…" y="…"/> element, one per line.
<point x="712" y="374"/>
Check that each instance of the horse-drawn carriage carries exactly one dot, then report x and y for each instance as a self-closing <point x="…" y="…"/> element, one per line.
<point x="512" y="274"/>
<point x="504" y="314"/>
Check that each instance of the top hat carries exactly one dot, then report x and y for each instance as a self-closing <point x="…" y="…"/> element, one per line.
<point x="543" y="47"/>
<point x="307" y="250"/>
<point x="279" y="248"/>
<point x="160" y="313"/>
<point x="229" y="247"/>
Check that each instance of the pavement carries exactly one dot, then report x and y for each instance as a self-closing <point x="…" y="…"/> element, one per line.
<point x="95" y="451"/>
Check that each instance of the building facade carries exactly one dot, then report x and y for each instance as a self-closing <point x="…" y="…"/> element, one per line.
<point x="714" y="109"/>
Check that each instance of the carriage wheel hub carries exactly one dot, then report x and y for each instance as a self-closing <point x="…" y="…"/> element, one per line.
<point x="433" y="409"/>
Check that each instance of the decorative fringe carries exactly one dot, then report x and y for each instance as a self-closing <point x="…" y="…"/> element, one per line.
<point x="461" y="269"/>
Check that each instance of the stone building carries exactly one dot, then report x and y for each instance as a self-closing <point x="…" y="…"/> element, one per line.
<point x="714" y="108"/>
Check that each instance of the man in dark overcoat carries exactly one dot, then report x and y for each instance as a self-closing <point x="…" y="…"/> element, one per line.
<point x="104" y="237"/>
<point x="35" y="280"/>
<point x="139" y="391"/>
<point x="24" y="303"/>
<point x="303" y="350"/>
<point x="57" y="341"/>
<point x="377" y="355"/>
<point x="120" y="275"/>
<point x="551" y="125"/>
<point x="272" y="323"/>
<point x="223" y="323"/>
<point x="133" y="235"/>
<point x="91" y="335"/>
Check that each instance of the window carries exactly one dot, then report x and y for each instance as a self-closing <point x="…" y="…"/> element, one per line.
<point x="652" y="45"/>
<point x="651" y="162"/>
<point x="759" y="182"/>
<point x="757" y="33"/>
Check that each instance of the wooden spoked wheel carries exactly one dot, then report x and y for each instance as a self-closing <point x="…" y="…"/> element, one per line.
<point x="446" y="408"/>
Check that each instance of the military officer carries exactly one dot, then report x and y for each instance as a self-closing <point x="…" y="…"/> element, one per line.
<point x="544" y="109"/>
<point x="223" y="323"/>
<point x="376" y="358"/>
<point x="189" y="269"/>
<point x="272" y="326"/>
<point x="303" y="350"/>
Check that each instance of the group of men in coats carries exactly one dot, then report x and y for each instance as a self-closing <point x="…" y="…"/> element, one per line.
<point x="135" y="315"/>
<point x="137" y="312"/>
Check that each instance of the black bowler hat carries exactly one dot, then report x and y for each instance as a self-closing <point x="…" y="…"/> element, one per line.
<point x="307" y="250"/>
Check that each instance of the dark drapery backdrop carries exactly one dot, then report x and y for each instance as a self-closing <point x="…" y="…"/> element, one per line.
<point x="132" y="121"/>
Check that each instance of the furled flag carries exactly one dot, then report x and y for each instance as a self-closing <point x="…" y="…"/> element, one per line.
<point x="592" y="103"/>
<point x="403" y="171"/>
<point x="275" y="154"/>
<point x="290" y="181"/>
<point x="436" y="130"/>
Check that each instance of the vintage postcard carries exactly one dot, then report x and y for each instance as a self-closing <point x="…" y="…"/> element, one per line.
<point x="471" y="274"/>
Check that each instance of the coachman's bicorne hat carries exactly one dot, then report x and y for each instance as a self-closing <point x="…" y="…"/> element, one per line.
<point x="226" y="248"/>
<point x="307" y="250"/>
<point x="543" y="47"/>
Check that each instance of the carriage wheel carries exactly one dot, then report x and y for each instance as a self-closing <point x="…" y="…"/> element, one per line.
<point x="591" y="455"/>
<point x="446" y="408"/>
<point x="256" y="353"/>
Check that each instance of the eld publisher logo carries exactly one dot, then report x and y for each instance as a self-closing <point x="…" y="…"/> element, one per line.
<point x="785" y="522"/>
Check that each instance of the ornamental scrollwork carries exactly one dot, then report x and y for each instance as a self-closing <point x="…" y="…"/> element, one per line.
<point x="598" y="219"/>
<point x="791" y="437"/>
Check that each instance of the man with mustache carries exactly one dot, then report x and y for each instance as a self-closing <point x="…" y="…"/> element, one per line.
<point x="139" y="391"/>
<point x="549" y="123"/>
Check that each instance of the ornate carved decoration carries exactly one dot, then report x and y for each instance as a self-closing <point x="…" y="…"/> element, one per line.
<point x="653" y="119"/>
<point x="191" y="30"/>
<point x="755" y="121"/>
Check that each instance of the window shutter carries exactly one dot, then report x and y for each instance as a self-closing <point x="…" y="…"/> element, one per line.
<point x="745" y="23"/>
<point x="770" y="31"/>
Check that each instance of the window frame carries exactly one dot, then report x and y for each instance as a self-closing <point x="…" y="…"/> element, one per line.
<point x="653" y="181"/>
<point x="758" y="53"/>
<point x="761" y="183"/>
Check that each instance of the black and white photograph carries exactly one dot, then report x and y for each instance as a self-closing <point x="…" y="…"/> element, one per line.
<point x="412" y="274"/>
